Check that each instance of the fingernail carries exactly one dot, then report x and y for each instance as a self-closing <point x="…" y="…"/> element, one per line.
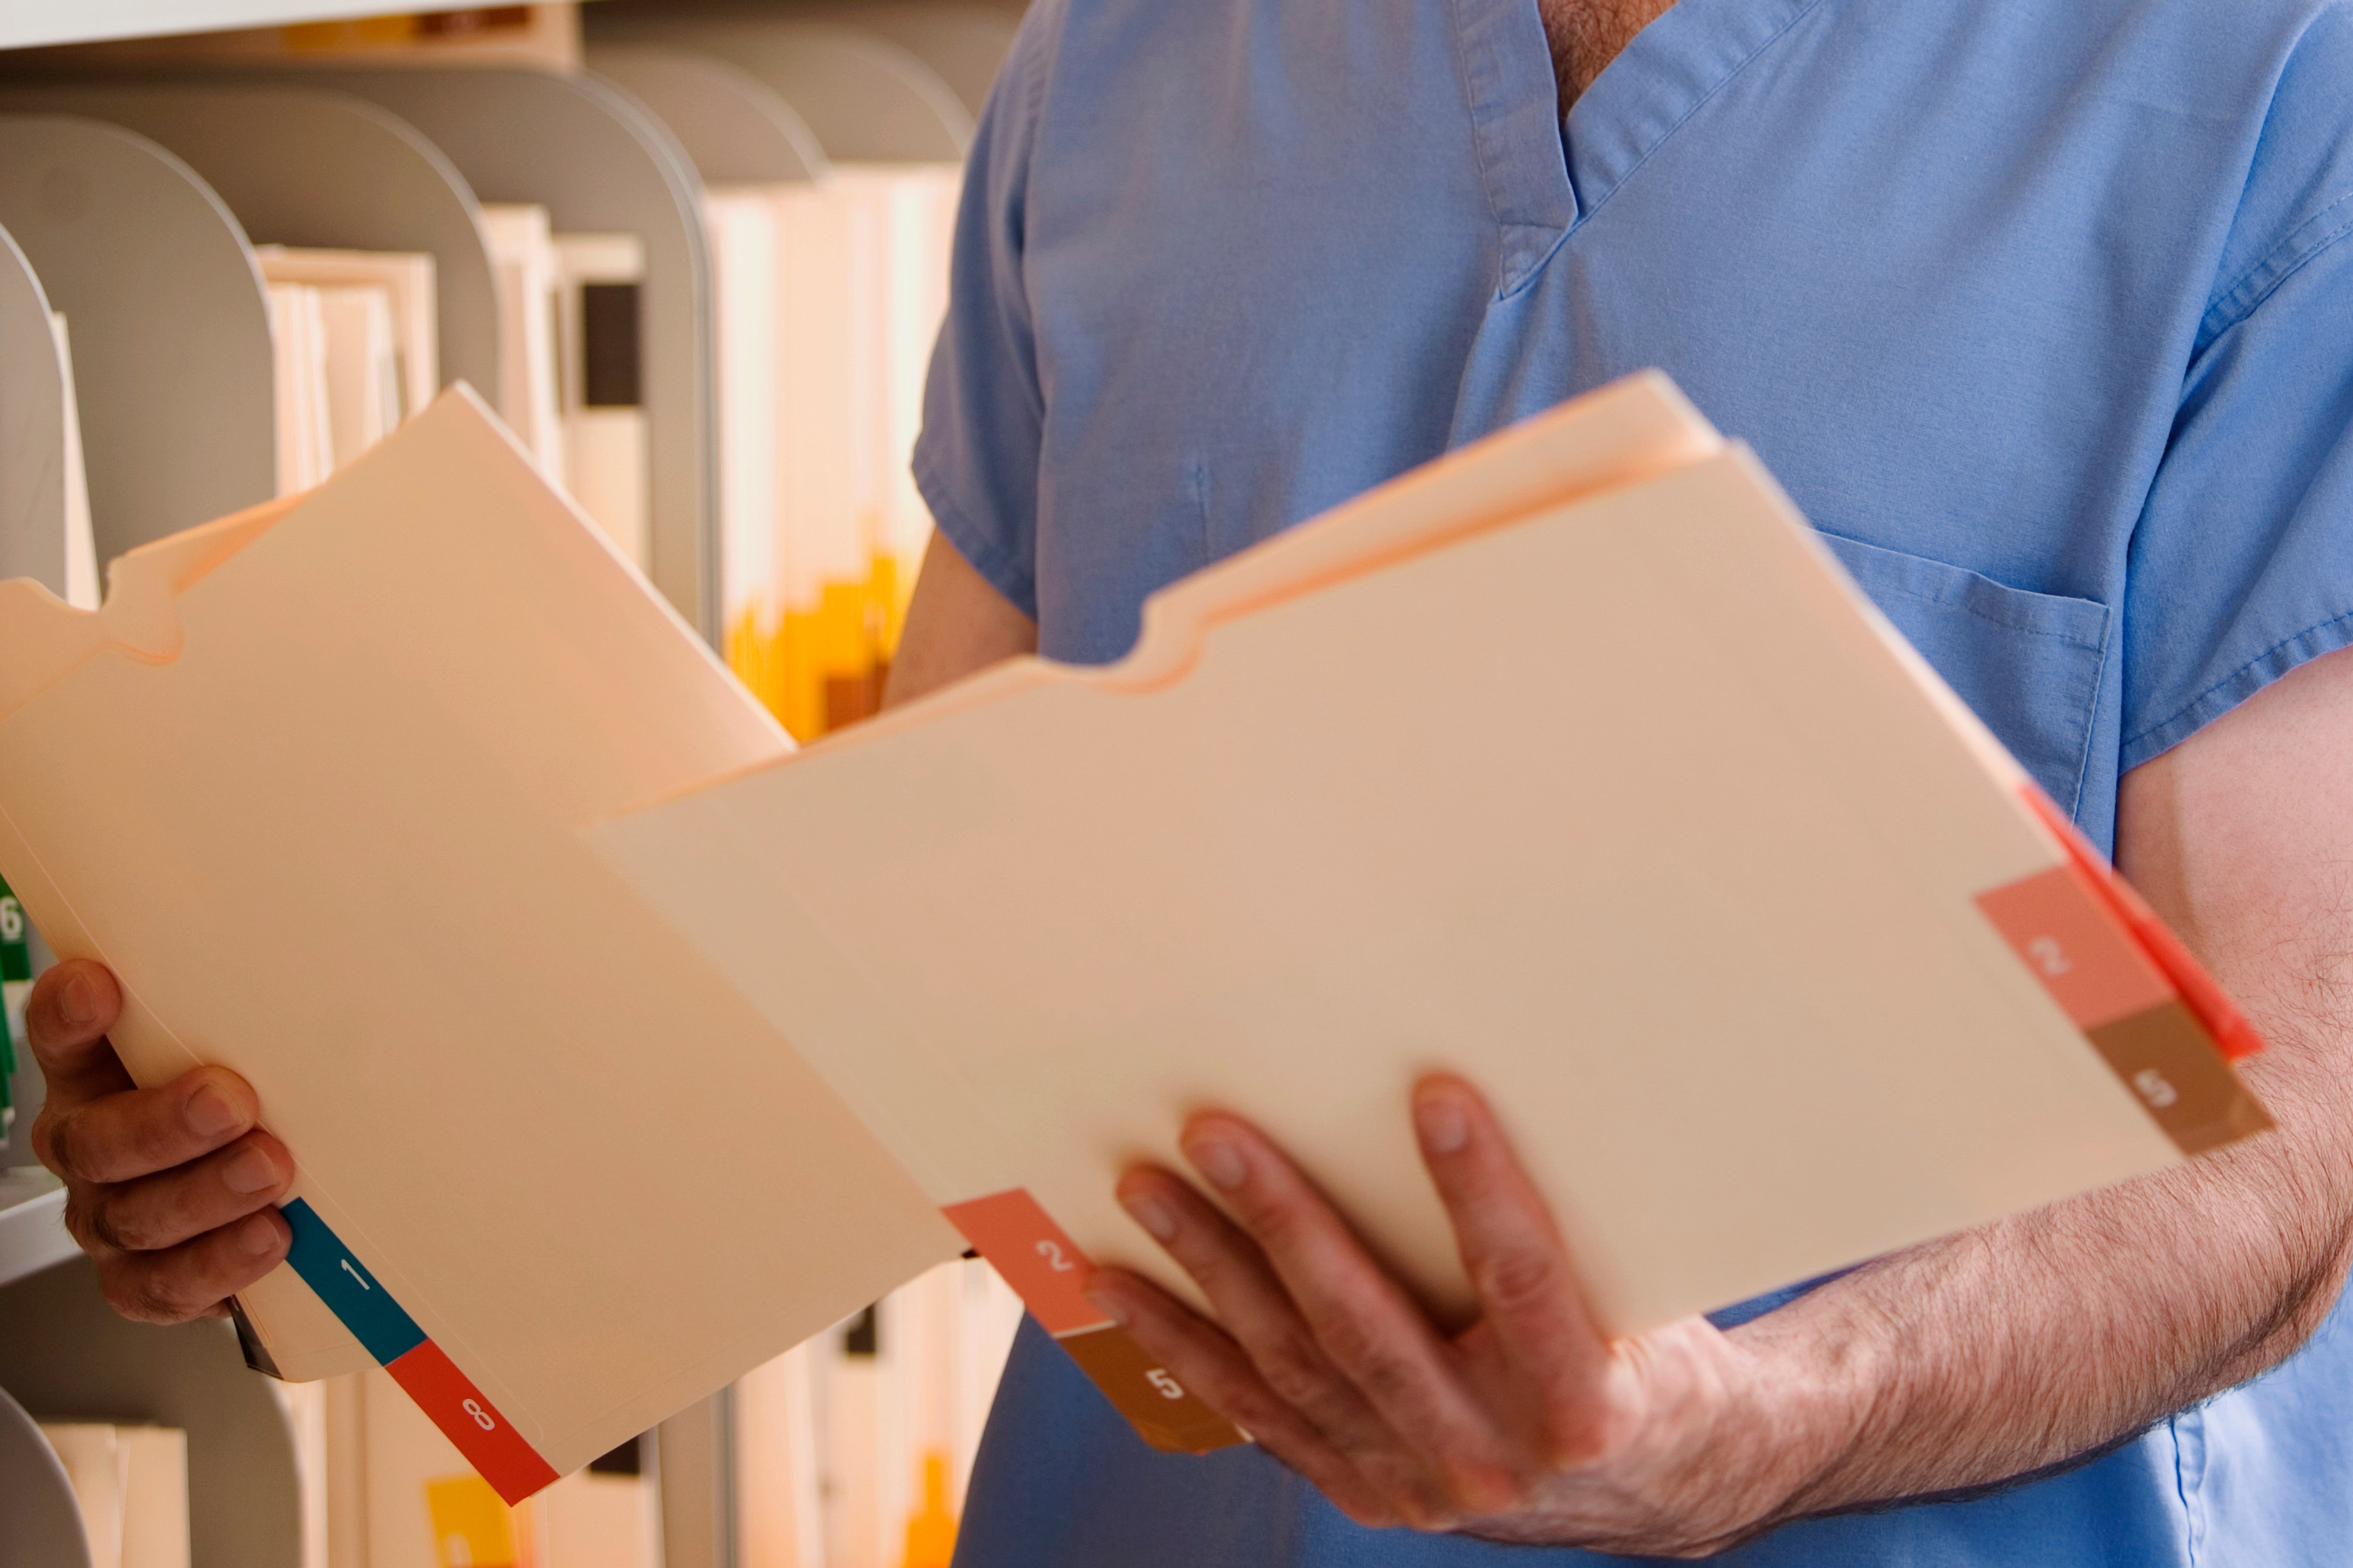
<point x="1219" y="1161"/>
<point x="1153" y="1215"/>
<point x="259" y="1235"/>
<point x="1108" y="1308"/>
<point x="210" y="1112"/>
<point x="1439" y="1120"/>
<point x="251" y="1172"/>
<point x="78" y="1000"/>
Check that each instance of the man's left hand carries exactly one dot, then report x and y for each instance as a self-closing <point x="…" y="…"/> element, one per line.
<point x="1529" y="1425"/>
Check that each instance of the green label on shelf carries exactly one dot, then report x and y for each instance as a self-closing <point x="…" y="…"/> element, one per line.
<point x="16" y="954"/>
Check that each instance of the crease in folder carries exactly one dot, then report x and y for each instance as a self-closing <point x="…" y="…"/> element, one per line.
<point x="362" y="813"/>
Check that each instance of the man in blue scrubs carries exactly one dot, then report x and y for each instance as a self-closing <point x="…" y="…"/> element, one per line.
<point x="2044" y="314"/>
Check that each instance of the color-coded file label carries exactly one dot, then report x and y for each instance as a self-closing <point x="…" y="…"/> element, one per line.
<point x="1041" y="1263"/>
<point x="464" y="1413"/>
<point x="1050" y="1274"/>
<point x="2163" y="1026"/>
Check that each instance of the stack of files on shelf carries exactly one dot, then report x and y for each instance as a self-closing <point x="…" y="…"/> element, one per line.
<point x="81" y="542"/>
<point x="298" y="332"/>
<point x="132" y="1484"/>
<point x="403" y="282"/>
<point x="860" y="267"/>
<point x="45" y="521"/>
<point x="571" y="363"/>
<point x="938" y="980"/>
<point x="600" y="364"/>
<point x="524" y="259"/>
<point x="353" y="333"/>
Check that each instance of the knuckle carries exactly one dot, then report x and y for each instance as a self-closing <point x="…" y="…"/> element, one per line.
<point x="1517" y="1278"/>
<point x="91" y="1218"/>
<point x="1295" y="1370"/>
<point x="1353" y="1345"/>
<point x="60" y="1134"/>
<point x="135" y="1227"/>
<point x="1387" y="1380"/>
<point x="146" y="1295"/>
<point x="1280" y="1223"/>
<point x="44" y="1138"/>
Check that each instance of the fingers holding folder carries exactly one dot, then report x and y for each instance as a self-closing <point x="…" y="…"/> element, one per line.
<point x="168" y="1188"/>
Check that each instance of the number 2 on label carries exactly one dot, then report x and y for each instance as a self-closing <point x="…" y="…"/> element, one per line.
<point x="1051" y="1251"/>
<point x="2049" y="956"/>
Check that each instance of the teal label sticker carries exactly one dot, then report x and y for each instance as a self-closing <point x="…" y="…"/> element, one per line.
<point x="349" y="1292"/>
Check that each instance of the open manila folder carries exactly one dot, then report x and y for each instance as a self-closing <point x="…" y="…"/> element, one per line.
<point x="1570" y="763"/>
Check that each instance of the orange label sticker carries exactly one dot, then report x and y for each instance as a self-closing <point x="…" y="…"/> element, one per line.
<point x="2232" y="1032"/>
<point x="469" y="1419"/>
<point x="1025" y="1246"/>
<point x="2071" y="939"/>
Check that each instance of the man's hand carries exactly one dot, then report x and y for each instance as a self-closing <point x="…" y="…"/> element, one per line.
<point x="1527" y="1425"/>
<point x="1946" y="1366"/>
<point x="168" y="1189"/>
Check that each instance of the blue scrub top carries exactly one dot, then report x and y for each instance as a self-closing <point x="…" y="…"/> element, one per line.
<point x="2041" y="312"/>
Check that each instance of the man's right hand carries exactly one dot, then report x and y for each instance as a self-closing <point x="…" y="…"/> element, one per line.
<point x="168" y="1190"/>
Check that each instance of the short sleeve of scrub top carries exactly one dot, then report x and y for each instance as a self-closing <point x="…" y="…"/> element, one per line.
<point x="977" y="465"/>
<point x="2242" y="567"/>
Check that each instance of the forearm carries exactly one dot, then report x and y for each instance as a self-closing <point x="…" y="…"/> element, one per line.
<point x="956" y="624"/>
<point x="2019" y="1346"/>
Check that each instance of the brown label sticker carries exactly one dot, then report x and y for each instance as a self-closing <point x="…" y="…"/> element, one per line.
<point x="2170" y="1065"/>
<point x="1154" y="1403"/>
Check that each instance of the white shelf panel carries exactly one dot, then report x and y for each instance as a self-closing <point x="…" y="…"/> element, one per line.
<point x="25" y="24"/>
<point x="32" y="1222"/>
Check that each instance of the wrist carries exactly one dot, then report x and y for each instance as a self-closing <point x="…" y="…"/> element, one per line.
<point x="1818" y="1379"/>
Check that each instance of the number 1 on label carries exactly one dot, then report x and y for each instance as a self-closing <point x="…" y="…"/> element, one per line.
<point x="355" y="1274"/>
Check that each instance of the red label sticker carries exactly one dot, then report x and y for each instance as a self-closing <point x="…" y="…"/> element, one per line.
<point x="1023" y="1244"/>
<point x="2232" y="1034"/>
<point x="469" y="1419"/>
<point x="2070" y="937"/>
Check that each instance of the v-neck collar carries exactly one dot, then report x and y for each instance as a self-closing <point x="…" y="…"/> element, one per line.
<point x="1544" y="175"/>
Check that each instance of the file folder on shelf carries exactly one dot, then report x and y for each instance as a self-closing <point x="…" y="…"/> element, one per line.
<point x="1570" y="763"/>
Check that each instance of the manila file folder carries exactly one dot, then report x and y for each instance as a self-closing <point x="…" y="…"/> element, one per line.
<point x="622" y="1047"/>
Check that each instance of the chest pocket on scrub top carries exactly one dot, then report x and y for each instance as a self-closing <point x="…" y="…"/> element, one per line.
<point x="2028" y="664"/>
